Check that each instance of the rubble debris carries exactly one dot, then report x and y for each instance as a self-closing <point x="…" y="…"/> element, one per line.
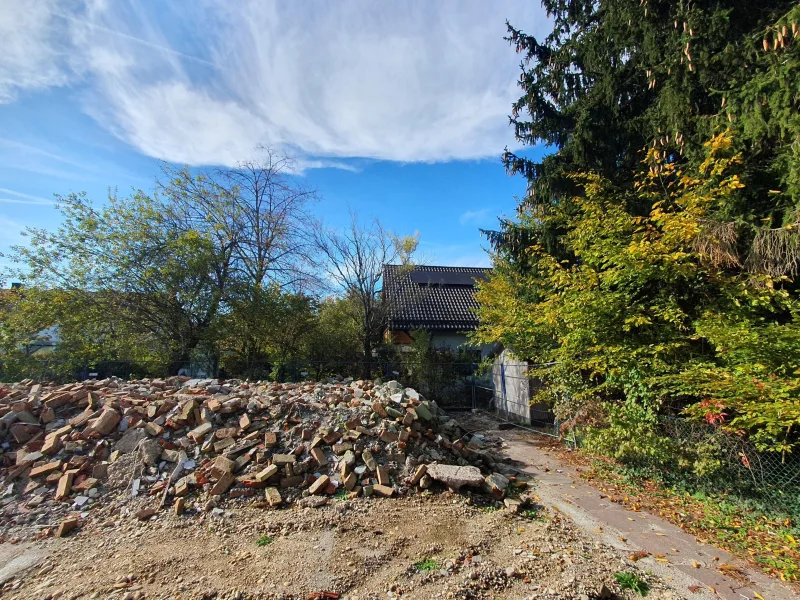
<point x="194" y="443"/>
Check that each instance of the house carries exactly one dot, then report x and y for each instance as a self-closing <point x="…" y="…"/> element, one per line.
<point x="440" y="300"/>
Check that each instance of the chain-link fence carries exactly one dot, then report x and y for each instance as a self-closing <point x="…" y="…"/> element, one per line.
<point x="725" y="456"/>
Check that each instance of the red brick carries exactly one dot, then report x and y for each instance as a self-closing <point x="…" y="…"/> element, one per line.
<point x="320" y="485"/>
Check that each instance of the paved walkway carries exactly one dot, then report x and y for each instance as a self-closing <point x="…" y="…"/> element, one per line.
<point x="560" y="486"/>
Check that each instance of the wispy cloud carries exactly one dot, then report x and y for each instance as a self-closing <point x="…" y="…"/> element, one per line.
<point x="406" y="81"/>
<point x="477" y="217"/>
<point x="22" y="198"/>
<point x="33" y="48"/>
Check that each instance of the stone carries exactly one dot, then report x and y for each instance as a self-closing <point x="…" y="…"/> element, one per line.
<point x="145" y="513"/>
<point x="199" y="432"/>
<point x="319" y="486"/>
<point x="383" y="475"/>
<point x="85" y="485"/>
<point x="270" y="439"/>
<point x="106" y="422"/>
<point x="66" y="527"/>
<point x="48" y="415"/>
<point x="179" y="507"/>
<point x="172" y="456"/>
<point x="421" y="470"/>
<point x="369" y="460"/>
<point x="383" y="490"/>
<point x="100" y="470"/>
<point x="154" y="429"/>
<point x="319" y="456"/>
<point x="222" y="484"/>
<point x="456" y="477"/>
<point x="224" y="443"/>
<point x="349" y="459"/>
<point x="423" y="412"/>
<point x="45" y="469"/>
<point x="52" y="444"/>
<point x="222" y="465"/>
<point x="388" y="436"/>
<point x="283" y="459"/>
<point x="496" y="485"/>
<point x="65" y="484"/>
<point x="150" y="452"/>
<point x="273" y="496"/>
<point x="265" y="474"/>
<point x="350" y="482"/>
<point x="393" y="412"/>
<point x="512" y="504"/>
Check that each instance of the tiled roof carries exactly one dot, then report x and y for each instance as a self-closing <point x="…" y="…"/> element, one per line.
<point x="432" y="298"/>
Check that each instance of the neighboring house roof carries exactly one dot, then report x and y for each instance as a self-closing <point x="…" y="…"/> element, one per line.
<point x="433" y="298"/>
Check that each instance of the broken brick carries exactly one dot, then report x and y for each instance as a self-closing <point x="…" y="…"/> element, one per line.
<point x="320" y="485"/>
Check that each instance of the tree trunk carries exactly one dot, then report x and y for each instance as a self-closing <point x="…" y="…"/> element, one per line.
<point x="365" y="371"/>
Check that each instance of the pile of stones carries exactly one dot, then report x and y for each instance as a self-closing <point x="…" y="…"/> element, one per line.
<point x="190" y="444"/>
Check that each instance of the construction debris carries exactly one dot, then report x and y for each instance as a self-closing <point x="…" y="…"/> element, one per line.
<point x="191" y="444"/>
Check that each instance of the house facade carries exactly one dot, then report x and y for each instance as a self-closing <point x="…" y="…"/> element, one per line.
<point x="437" y="299"/>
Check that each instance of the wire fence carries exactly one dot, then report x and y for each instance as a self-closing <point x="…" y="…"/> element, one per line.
<point x="733" y="457"/>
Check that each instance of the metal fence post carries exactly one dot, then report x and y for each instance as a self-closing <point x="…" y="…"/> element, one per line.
<point x="472" y="377"/>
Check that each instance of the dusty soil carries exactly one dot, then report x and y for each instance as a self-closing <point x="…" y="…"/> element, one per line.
<point x="364" y="548"/>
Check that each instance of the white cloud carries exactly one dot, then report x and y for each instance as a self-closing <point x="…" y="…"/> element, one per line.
<point x="32" y="54"/>
<point x="477" y="217"/>
<point x="404" y="81"/>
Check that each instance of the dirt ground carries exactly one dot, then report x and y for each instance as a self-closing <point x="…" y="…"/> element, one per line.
<point x="571" y="544"/>
<point x="359" y="548"/>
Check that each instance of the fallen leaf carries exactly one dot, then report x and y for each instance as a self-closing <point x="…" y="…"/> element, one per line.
<point x="695" y="564"/>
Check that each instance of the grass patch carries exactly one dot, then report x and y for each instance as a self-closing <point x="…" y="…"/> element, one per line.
<point x="264" y="540"/>
<point x="534" y="514"/>
<point x="341" y="495"/>
<point x="426" y="565"/>
<point x="630" y="581"/>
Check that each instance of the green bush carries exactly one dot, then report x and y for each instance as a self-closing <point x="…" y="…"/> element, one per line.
<point x="631" y="435"/>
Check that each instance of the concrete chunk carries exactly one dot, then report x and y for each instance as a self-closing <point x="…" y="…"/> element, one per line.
<point x="456" y="477"/>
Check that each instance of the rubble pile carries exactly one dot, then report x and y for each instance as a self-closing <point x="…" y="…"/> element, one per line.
<point x="192" y="444"/>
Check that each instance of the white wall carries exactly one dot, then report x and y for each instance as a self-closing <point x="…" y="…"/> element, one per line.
<point x="512" y="388"/>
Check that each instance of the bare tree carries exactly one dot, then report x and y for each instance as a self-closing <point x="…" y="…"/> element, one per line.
<point x="256" y="211"/>
<point x="351" y="262"/>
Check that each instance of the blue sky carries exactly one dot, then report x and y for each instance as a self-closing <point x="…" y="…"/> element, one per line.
<point x="396" y="110"/>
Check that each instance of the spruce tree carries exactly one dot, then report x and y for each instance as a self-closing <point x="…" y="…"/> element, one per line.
<point x="615" y="77"/>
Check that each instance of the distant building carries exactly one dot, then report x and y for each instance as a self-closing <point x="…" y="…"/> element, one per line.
<point x="440" y="300"/>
